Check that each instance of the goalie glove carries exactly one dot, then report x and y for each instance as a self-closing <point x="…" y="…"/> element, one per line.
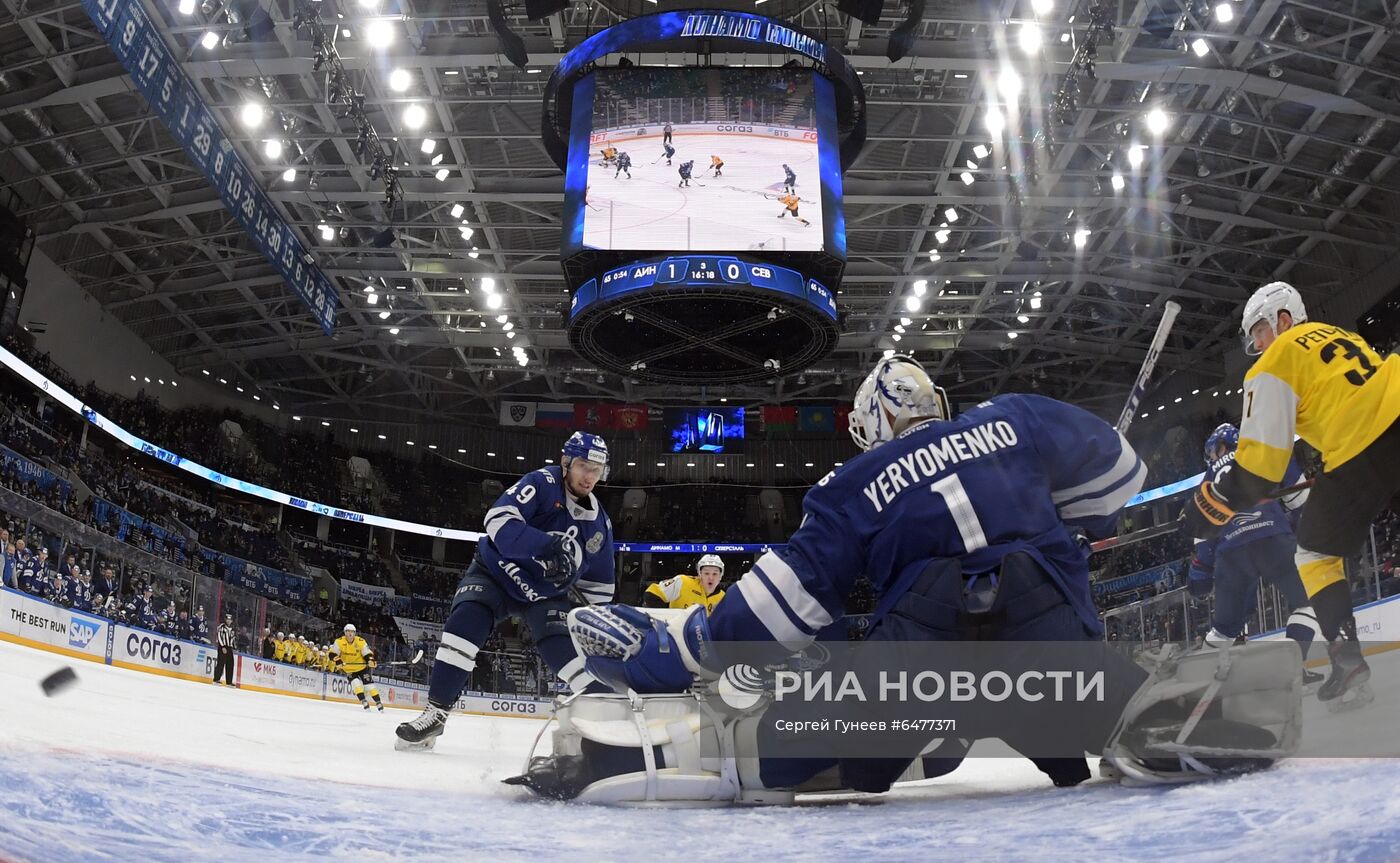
<point x="625" y="648"/>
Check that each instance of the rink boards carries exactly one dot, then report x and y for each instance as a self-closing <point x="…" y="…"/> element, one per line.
<point x="37" y="623"/>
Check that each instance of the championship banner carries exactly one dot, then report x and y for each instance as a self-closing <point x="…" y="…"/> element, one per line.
<point x="372" y="594"/>
<point x="517" y="413"/>
<point x="157" y="74"/>
<point x="418" y="630"/>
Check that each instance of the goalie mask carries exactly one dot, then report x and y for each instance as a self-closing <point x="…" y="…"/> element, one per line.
<point x="896" y="394"/>
<point x="1264" y="307"/>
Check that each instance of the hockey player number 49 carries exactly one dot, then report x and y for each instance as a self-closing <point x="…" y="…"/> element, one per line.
<point x="954" y="495"/>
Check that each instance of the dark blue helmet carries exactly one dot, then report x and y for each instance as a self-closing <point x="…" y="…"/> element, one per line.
<point x="590" y="447"/>
<point x="1226" y="435"/>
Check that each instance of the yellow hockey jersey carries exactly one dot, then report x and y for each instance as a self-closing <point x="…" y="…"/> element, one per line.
<point x="683" y="591"/>
<point x="352" y="654"/>
<point x="280" y="652"/>
<point x="1326" y="385"/>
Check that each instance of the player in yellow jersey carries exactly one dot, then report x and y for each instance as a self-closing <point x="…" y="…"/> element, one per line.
<point x="609" y="155"/>
<point x="280" y="651"/>
<point x="683" y="591"/>
<point x="1341" y="397"/>
<point x="352" y="655"/>
<point x="790" y="201"/>
<point x="717" y="166"/>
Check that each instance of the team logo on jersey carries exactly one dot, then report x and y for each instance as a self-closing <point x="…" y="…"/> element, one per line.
<point x="595" y="543"/>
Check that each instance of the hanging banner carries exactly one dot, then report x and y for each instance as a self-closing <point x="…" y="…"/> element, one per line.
<point x="517" y="413"/>
<point x="418" y="630"/>
<point x="157" y="74"/>
<point x="358" y="591"/>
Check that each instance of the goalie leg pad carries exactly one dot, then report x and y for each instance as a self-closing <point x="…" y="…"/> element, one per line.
<point x="657" y="750"/>
<point x="1211" y="713"/>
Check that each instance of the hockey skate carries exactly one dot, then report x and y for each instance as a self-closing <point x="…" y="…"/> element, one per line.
<point x="422" y="732"/>
<point x="1311" y="679"/>
<point x="1347" y="688"/>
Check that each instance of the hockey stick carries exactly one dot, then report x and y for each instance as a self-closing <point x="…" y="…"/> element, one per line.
<point x="417" y="657"/>
<point x="1149" y="363"/>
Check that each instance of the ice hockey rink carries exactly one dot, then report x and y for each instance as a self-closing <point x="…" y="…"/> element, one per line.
<point x="739" y="210"/>
<point x="129" y="766"/>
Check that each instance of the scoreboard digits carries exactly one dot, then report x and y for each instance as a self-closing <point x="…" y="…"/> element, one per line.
<point x="689" y="271"/>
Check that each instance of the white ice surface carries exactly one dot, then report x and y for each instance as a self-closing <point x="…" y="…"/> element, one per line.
<point x="128" y="766"/>
<point x="728" y="213"/>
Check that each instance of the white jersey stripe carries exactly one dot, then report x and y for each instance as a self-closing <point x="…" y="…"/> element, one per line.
<point x="1109" y="503"/>
<point x="770" y="614"/>
<point x="1123" y="467"/>
<point x="497" y="517"/>
<point x="790" y="588"/>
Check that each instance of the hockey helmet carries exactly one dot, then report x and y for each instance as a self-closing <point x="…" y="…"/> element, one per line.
<point x="1225" y="435"/>
<point x="1264" y="306"/>
<point x="590" y="447"/>
<point x="350" y="628"/>
<point x="710" y="560"/>
<point x="895" y="394"/>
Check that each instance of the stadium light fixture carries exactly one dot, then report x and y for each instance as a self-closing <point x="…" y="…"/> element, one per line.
<point x="380" y="33"/>
<point x="995" y="121"/>
<point x="186" y="7"/>
<point x="209" y="40"/>
<point x="393" y="331"/>
<point x="1029" y="37"/>
<point x="1009" y="84"/>
<point x="1012" y="335"/>
<point x="251" y="114"/>
<point x="272" y="148"/>
<point x="941" y="236"/>
<point x="1135" y="157"/>
<point x="372" y="299"/>
<point x="1117" y="182"/>
<point x="913" y="303"/>
<point x="920" y="287"/>
<point x="1200" y="47"/>
<point x="1157" y="121"/>
<point x="967" y="178"/>
<point x="488" y="285"/>
<point x="1042" y="7"/>
<point x="1081" y="238"/>
<point x="933" y="256"/>
<point x="414" y="116"/>
<point x="1225" y="13"/>
<point x="289" y="175"/>
<point x="428" y="146"/>
<point x="951" y="214"/>
<point x="442" y="174"/>
<point x="494" y="301"/>
<point x="1023" y="319"/>
<point x="399" y="80"/>
<point x="457" y="211"/>
<point x="384" y="315"/>
<point x="981" y="151"/>
<point x="1035" y="302"/>
<point x="327" y="232"/>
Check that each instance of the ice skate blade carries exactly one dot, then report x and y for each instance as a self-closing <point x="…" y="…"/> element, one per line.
<point x="1355" y="699"/>
<point x="408" y="746"/>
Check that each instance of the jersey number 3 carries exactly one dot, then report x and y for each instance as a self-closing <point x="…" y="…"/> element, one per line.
<point x="954" y="495"/>
<point x="1349" y="352"/>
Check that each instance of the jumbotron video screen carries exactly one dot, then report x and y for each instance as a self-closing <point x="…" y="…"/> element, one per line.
<point x="702" y="160"/>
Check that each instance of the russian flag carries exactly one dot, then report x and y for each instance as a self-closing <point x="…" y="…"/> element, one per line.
<point x="557" y="415"/>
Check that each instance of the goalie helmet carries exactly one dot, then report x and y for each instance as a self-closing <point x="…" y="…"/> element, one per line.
<point x="896" y="394"/>
<point x="1225" y="435"/>
<point x="1265" y="305"/>
<point x="589" y="447"/>
<point x="710" y="560"/>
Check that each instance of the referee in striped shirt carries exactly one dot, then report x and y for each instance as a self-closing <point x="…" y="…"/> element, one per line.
<point x="227" y="641"/>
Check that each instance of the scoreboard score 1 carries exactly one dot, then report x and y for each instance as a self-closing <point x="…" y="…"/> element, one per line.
<point x="698" y="271"/>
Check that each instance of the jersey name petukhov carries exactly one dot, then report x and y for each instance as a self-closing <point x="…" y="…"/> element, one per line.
<point x="928" y="461"/>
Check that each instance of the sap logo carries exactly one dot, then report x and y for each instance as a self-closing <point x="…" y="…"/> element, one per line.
<point x="734" y="128"/>
<point x="526" y="707"/>
<point x="81" y="631"/>
<point x="153" y="649"/>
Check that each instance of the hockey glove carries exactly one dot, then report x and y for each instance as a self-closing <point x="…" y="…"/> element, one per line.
<point x="373" y="663"/>
<point x="625" y="648"/>
<point x="1208" y="512"/>
<point x="561" y="562"/>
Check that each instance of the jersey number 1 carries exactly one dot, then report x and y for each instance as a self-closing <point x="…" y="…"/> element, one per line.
<point x="954" y="495"/>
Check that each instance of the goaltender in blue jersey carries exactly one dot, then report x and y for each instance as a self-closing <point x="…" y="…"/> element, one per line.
<point x="968" y="529"/>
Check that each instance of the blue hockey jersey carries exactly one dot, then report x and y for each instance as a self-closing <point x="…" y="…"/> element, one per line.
<point x="521" y="526"/>
<point x="1275" y="518"/>
<point x="1016" y="473"/>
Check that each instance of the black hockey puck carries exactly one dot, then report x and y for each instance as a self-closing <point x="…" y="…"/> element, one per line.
<point x="59" y="681"/>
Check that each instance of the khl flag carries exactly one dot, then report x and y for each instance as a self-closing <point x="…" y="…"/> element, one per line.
<point x="517" y="413"/>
